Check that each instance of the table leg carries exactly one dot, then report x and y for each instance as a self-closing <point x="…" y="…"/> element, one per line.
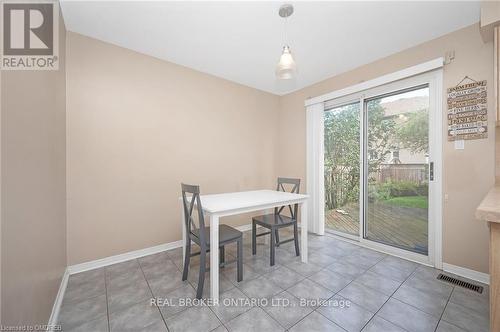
<point x="303" y="231"/>
<point x="214" y="257"/>
<point x="183" y="234"/>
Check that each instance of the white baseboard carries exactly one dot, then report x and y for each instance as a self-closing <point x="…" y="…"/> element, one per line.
<point x="54" y="316"/>
<point x="82" y="267"/>
<point x="467" y="273"/>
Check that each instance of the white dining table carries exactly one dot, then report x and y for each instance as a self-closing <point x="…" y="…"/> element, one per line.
<point x="222" y="205"/>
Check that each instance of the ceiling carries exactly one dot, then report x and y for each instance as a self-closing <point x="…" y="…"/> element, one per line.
<point x="242" y="41"/>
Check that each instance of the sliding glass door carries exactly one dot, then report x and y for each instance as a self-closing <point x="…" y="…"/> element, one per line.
<point x="397" y="163"/>
<point x="342" y="168"/>
<point x="378" y="159"/>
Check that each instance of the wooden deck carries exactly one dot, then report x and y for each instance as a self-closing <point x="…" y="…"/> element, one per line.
<point x="398" y="226"/>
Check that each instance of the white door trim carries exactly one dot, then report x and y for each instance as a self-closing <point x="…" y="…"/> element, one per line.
<point x="388" y="78"/>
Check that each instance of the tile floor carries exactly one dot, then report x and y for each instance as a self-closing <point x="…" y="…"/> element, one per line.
<point x="363" y="290"/>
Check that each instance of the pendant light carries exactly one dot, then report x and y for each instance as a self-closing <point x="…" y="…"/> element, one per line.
<point x="286" y="68"/>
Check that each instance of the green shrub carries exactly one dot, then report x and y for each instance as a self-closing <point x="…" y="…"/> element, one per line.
<point x="390" y="189"/>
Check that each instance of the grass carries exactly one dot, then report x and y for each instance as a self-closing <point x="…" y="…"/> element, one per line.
<point x="421" y="202"/>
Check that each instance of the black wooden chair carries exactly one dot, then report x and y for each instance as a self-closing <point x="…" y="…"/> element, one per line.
<point x="277" y="220"/>
<point x="201" y="236"/>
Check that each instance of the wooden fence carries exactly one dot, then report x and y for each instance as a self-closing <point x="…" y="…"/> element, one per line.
<point x="416" y="173"/>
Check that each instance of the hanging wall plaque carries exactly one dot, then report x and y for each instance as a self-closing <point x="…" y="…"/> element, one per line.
<point x="467" y="111"/>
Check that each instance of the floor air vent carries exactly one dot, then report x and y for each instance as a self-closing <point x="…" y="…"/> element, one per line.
<point x="461" y="283"/>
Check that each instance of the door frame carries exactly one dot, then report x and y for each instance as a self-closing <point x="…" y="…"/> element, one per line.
<point x="430" y="73"/>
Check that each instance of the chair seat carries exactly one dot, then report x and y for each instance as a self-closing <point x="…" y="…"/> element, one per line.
<point x="226" y="233"/>
<point x="274" y="220"/>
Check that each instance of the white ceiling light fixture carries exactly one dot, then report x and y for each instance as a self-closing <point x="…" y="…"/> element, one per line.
<point x="286" y="68"/>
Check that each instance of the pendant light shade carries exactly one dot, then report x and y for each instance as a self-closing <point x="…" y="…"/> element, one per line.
<point x="286" y="67"/>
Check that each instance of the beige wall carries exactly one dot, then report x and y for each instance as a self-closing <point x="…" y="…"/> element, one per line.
<point x="468" y="174"/>
<point x="33" y="233"/>
<point x="136" y="128"/>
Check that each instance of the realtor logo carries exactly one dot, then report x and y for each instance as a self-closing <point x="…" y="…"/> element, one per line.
<point x="30" y="36"/>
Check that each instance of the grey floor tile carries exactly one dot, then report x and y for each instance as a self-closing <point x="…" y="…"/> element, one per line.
<point x="349" y="270"/>
<point x="364" y="296"/>
<point x="347" y="247"/>
<point x="155" y="259"/>
<point x="390" y="271"/>
<point x="224" y="285"/>
<point x="378" y="324"/>
<point x="254" y="320"/>
<point x="199" y="318"/>
<point x="177" y="301"/>
<point x="432" y="304"/>
<point x="286" y="309"/>
<point x="259" y="288"/>
<point x="447" y="327"/>
<point x="134" y="318"/>
<point x="407" y="316"/>
<point x="119" y="269"/>
<point x="284" y="257"/>
<point x="465" y="318"/>
<point x="78" y="290"/>
<point x="305" y="269"/>
<point x="331" y="280"/>
<point x="335" y="252"/>
<point x="321" y="259"/>
<point x="221" y="328"/>
<point x="122" y="298"/>
<point x="131" y="278"/>
<point x="471" y="300"/>
<point x="316" y="322"/>
<point x="154" y="271"/>
<point x="261" y="265"/>
<point x="315" y="244"/>
<point x="232" y="303"/>
<point x="399" y="263"/>
<point x="157" y="326"/>
<point x="378" y="282"/>
<point x="359" y="260"/>
<point x="371" y="254"/>
<point x="231" y="274"/>
<point x="79" y="312"/>
<point x="96" y="325"/>
<point x="427" y="272"/>
<point x="346" y="314"/>
<point x="284" y="277"/>
<point x="166" y="283"/>
<point x="309" y="290"/>
<point x="429" y="285"/>
<point x="194" y="263"/>
<point x="87" y="276"/>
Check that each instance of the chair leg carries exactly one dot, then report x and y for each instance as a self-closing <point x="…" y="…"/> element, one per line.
<point x="203" y="267"/>
<point x="277" y="238"/>
<point x="222" y="256"/>
<point x="296" y="239"/>
<point x="272" y="246"/>
<point x="254" y="238"/>
<point x="187" y="260"/>
<point x="240" y="260"/>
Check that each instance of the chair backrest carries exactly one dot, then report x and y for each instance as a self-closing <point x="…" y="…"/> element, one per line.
<point x="189" y="204"/>
<point x="295" y="187"/>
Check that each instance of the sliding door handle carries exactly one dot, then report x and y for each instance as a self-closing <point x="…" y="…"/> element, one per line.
<point x="431" y="171"/>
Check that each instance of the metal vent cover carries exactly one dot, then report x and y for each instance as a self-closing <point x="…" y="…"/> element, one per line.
<point x="464" y="284"/>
